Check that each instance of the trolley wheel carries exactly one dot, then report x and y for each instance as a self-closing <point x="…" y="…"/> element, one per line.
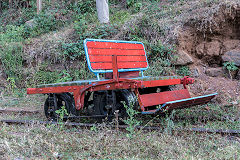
<point x="101" y="107"/>
<point x="54" y="102"/>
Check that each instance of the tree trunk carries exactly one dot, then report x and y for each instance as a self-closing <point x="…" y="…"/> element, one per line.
<point x="103" y="11"/>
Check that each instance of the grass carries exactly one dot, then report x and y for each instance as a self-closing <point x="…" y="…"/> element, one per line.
<point x="53" y="142"/>
<point x="49" y="142"/>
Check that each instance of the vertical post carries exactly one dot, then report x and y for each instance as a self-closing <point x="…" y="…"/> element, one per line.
<point x="39" y="6"/>
<point x="10" y="4"/>
<point x="115" y="67"/>
<point x="103" y="11"/>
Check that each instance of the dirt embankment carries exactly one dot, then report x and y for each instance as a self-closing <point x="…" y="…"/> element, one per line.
<point x="206" y="46"/>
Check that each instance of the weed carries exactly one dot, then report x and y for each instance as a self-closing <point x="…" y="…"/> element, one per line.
<point x="94" y="129"/>
<point x="230" y="66"/>
<point x="65" y="77"/>
<point x="170" y="123"/>
<point x="131" y="121"/>
<point x="43" y="23"/>
<point x="62" y="112"/>
<point x="11" y="86"/>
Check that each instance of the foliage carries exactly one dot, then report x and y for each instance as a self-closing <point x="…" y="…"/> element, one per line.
<point x="86" y="6"/>
<point x="183" y="71"/>
<point x="131" y="121"/>
<point x="11" y="33"/>
<point x="65" y="77"/>
<point x="43" y="23"/>
<point x="11" y="86"/>
<point x="80" y="26"/>
<point x="44" y="76"/>
<point x="61" y="113"/>
<point x="12" y="60"/>
<point x="119" y="17"/>
<point x="170" y="124"/>
<point x="72" y="51"/>
<point x="230" y="66"/>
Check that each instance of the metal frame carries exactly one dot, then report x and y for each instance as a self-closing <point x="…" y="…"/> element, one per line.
<point x="117" y="83"/>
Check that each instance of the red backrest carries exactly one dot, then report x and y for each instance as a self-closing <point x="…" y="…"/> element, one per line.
<point x="131" y="55"/>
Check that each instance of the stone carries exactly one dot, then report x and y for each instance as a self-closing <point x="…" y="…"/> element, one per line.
<point x="214" y="72"/>
<point x="213" y="48"/>
<point x="183" y="58"/>
<point x="31" y="23"/>
<point x="238" y="75"/>
<point x="195" y="72"/>
<point x="231" y="44"/>
<point x="200" y="49"/>
<point x="208" y="49"/>
<point x="232" y="56"/>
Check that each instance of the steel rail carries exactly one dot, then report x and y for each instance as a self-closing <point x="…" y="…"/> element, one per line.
<point x="19" y="111"/>
<point x="151" y="128"/>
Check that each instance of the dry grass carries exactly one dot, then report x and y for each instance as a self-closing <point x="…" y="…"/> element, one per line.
<point x="41" y="142"/>
<point x="56" y="142"/>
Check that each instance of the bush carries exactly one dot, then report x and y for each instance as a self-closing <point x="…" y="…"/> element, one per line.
<point x="184" y="71"/>
<point x="12" y="60"/>
<point x="43" y="23"/>
<point x="11" y="34"/>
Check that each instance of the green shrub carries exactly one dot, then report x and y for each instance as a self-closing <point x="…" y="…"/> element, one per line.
<point x="12" y="60"/>
<point x="183" y="71"/>
<point x="72" y="51"/>
<point x="11" y="33"/>
<point x="86" y="6"/>
<point x="64" y="77"/>
<point x="44" y="76"/>
<point x="43" y="23"/>
<point x="80" y="27"/>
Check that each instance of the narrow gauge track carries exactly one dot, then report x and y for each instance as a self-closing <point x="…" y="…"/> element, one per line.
<point x="13" y="111"/>
<point x="19" y="111"/>
<point x="149" y="128"/>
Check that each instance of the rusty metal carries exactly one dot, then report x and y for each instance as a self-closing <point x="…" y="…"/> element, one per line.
<point x="115" y="57"/>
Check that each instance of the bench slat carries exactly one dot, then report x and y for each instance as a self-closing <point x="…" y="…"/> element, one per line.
<point x="121" y="65"/>
<point x="114" y="45"/>
<point x="119" y="58"/>
<point x="97" y="51"/>
<point x="131" y="55"/>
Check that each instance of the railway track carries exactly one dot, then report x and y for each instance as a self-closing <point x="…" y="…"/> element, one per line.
<point x="89" y="125"/>
<point x="148" y="128"/>
<point x="19" y="111"/>
<point x="203" y="119"/>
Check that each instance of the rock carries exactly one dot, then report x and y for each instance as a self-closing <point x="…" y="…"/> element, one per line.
<point x="195" y="72"/>
<point x="214" y="72"/>
<point x="183" y="58"/>
<point x="208" y="49"/>
<point x="232" y="56"/>
<point x="213" y="48"/>
<point x="31" y="23"/>
<point x="238" y="75"/>
<point x="200" y="49"/>
<point x="231" y="44"/>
